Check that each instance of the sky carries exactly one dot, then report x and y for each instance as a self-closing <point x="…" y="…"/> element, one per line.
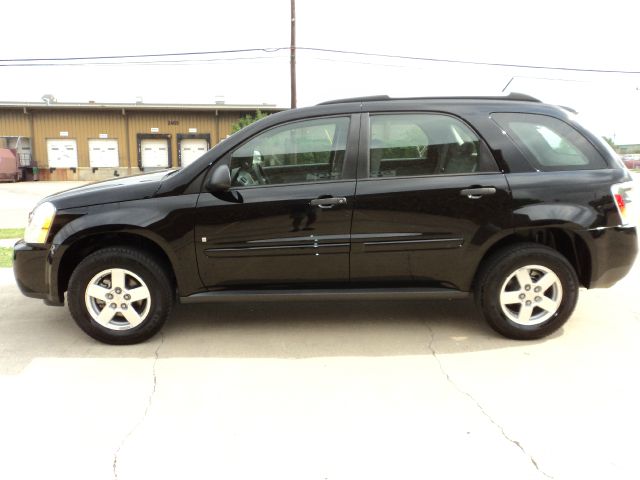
<point x="560" y="33"/>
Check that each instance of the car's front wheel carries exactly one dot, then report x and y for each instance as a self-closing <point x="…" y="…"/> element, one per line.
<point x="527" y="291"/>
<point x="120" y="295"/>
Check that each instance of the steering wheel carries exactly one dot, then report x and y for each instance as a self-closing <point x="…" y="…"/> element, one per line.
<point x="260" y="175"/>
<point x="244" y="179"/>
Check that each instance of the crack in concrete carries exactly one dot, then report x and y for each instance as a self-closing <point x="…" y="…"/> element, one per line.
<point x="146" y="410"/>
<point x="480" y="407"/>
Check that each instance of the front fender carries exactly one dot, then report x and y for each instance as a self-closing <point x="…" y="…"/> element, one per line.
<point x="166" y="222"/>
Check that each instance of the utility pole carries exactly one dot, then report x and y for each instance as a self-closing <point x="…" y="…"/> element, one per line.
<point x="293" y="54"/>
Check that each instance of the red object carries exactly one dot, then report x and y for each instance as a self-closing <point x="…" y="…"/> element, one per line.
<point x="631" y="161"/>
<point x="9" y="169"/>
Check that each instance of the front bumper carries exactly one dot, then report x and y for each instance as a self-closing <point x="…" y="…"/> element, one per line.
<point x="613" y="253"/>
<point x="31" y="272"/>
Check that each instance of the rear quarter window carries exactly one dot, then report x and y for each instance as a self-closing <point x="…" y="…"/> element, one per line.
<point x="549" y="143"/>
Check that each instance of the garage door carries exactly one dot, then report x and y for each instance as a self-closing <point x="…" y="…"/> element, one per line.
<point x="103" y="153"/>
<point x="62" y="153"/>
<point x="191" y="149"/>
<point x="154" y="152"/>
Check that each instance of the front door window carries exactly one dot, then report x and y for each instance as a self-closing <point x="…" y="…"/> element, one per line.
<point x="302" y="152"/>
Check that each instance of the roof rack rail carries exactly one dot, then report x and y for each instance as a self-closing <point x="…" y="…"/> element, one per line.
<point x="373" y="98"/>
<point x="522" y="97"/>
<point x="569" y="109"/>
<point x="513" y="96"/>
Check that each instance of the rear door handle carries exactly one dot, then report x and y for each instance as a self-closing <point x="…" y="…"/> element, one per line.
<point x="328" y="202"/>
<point x="475" y="193"/>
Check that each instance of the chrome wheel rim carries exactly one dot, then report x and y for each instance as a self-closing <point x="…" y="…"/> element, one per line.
<point x="117" y="299"/>
<point x="531" y="295"/>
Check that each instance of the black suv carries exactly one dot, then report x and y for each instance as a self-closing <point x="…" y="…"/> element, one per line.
<point x="506" y="198"/>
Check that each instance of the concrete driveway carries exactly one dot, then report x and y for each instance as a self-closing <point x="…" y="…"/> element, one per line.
<point x="321" y="390"/>
<point x="361" y="390"/>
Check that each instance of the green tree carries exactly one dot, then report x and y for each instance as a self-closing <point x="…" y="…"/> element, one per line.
<point x="610" y="141"/>
<point x="248" y="120"/>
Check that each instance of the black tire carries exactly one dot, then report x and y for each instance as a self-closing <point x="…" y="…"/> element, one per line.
<point x="498" y="271"/>
<point x="136" y="263"/>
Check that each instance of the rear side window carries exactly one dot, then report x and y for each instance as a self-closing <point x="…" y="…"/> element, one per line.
<point x="548" y="143"/>
<point x="424" y="144"/>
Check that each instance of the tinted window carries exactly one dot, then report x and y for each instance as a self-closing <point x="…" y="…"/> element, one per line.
<point x="308" y="151"/>
<point x="424" y="144"/>
<point x="548" y="143"/>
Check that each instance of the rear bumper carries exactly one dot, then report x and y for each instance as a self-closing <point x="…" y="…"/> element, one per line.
<point x="31" y="272"/>
<point x="613" y="253"/>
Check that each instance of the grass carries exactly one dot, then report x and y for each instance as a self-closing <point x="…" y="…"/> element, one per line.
<point x="6" y="253"/>
<point x="11" y="233"/>
<point x="6" y="257"/>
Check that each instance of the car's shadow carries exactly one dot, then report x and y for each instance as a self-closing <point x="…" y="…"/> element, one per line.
<point x="31" y="330"/>
<point x="325" y="329"/>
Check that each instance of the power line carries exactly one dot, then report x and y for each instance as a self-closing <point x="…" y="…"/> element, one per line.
<point x="145" y="55"/>
<point x="187" y="62"/>
<point x="53" y="60"/>
<point x="470" y="62"/>
<point x="360" y="62"/>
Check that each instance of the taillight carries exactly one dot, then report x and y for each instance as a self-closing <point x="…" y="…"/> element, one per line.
<point x="624" y="196"/>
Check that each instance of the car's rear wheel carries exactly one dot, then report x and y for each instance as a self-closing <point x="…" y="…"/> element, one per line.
<point x="120" y="295"/>
<point x="526" y="291"/>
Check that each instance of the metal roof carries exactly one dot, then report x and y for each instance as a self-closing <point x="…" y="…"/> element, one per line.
<point x="140" y="106"/>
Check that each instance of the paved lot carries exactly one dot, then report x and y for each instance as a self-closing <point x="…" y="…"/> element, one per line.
<point x="365" y="390"/>
<point x="18" y="199"/>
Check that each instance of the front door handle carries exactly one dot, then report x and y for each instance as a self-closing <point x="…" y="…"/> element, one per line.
<point x="328" y="202"/>
<point x="475" y="193"/>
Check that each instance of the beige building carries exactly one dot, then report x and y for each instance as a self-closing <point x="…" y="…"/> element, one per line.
<point x="92" y="141"/>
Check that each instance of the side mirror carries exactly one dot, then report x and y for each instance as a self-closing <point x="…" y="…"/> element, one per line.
<point x="220" y="179"/>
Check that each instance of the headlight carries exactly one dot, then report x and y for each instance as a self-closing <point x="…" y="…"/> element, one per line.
<point x="40" y="222"/>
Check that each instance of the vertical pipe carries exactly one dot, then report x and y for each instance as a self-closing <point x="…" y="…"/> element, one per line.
<point x="32" y="139"/>
<point x="127" y="140"/>
<point x="293" y="54"/>
<point x="217" y="128"/>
